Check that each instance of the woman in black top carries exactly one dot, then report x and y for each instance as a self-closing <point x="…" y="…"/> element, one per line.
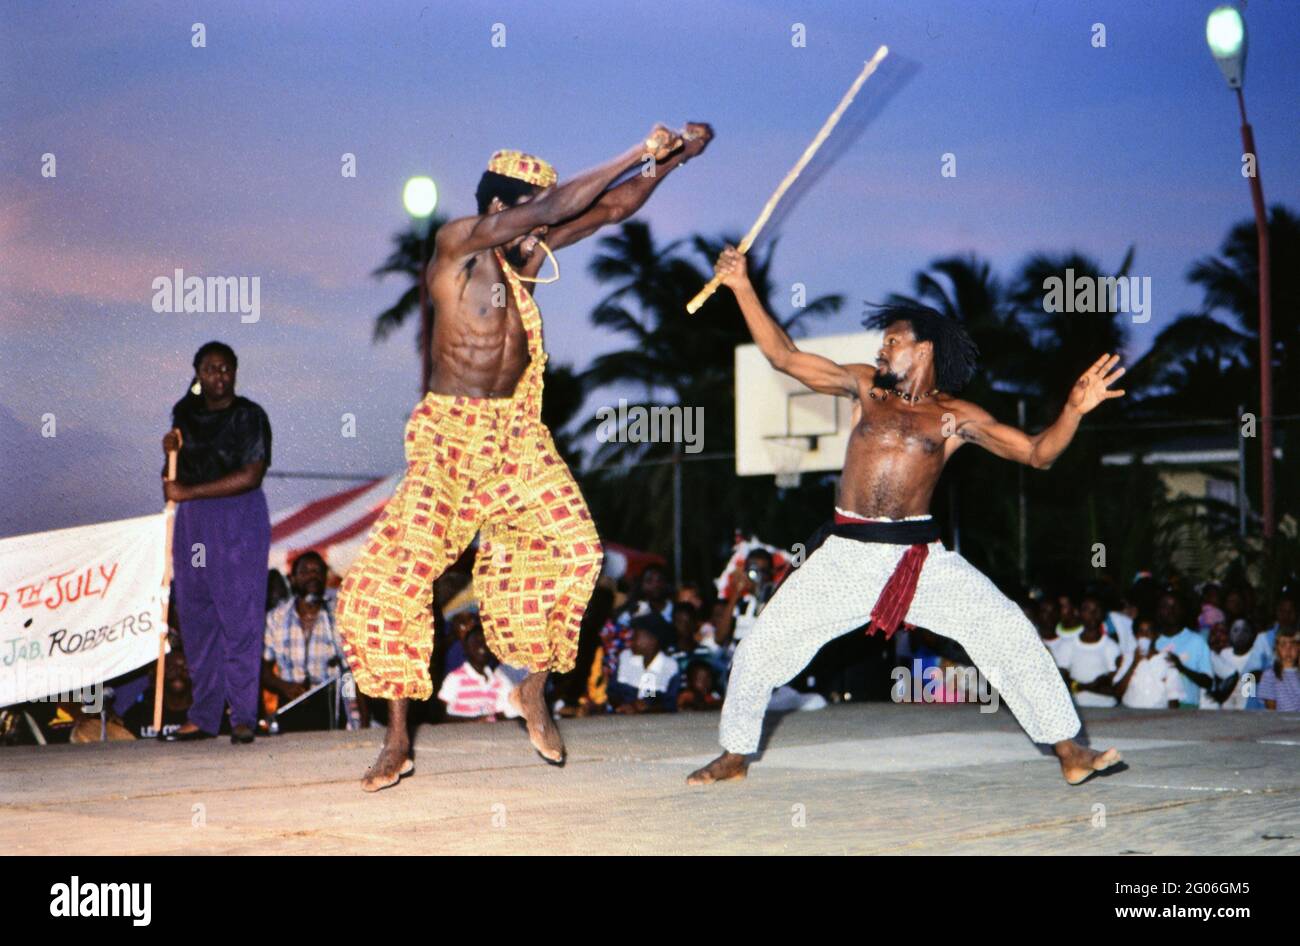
<point x="221" y="543"/>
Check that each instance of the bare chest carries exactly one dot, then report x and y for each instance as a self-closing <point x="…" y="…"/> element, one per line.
<point x="477" y="308"/>
<point x="480" y="346"/>
<point x="894" y="427"/>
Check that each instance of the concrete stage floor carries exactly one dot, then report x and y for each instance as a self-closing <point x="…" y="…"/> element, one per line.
<point x="853" y="779"/>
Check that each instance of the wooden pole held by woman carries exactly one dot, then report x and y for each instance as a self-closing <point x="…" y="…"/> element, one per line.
<point x="169" y="515"/>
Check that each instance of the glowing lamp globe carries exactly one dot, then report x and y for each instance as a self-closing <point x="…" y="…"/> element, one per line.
<point x="420" y="196"/>
<point x="1225" y="32"/>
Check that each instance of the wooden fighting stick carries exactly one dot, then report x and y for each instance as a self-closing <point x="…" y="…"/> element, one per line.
<point x="169" y="514"/>
<point x="712" y="285"/>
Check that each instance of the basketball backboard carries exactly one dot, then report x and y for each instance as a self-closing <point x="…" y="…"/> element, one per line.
<point x="779" y="421"/>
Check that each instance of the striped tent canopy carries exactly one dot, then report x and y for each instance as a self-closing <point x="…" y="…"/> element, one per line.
<point x="335" y="526"/>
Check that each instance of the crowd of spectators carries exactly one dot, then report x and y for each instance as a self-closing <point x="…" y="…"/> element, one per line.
<point x="649" y="646"/>
<point x="1161" y="645"/>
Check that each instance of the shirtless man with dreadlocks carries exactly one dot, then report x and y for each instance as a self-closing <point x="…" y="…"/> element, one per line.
<point x="880" y="561"/>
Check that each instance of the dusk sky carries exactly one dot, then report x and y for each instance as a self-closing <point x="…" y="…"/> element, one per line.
<point x="225" y="161"/>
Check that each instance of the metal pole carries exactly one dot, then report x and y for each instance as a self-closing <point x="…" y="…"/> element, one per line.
<point x="677" y="512"/>
<point x="1024" y="511"/>
<point x="1241" y="474"/>
<point x="1265" y="326"/>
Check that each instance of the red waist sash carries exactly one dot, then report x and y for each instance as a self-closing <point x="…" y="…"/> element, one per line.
<point x="895" y="598"/>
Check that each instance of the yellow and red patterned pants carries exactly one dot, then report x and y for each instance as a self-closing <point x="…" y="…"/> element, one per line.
<point x="474" y="465"/>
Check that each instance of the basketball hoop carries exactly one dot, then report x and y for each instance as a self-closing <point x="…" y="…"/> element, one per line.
<point x="786" y="455"/>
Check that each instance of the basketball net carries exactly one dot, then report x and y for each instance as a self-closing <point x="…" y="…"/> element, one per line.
<point x="786" y="455"/>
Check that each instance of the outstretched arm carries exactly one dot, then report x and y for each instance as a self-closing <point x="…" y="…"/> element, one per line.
<point x="977" y="426"/>
<point x="820" y="374"/>
<point x="618" y="203"/>
<point x="470" y="235"/>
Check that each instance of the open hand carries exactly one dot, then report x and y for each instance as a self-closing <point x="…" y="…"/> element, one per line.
<point x="1092" y="387"/>
<point x="732" y="268"/>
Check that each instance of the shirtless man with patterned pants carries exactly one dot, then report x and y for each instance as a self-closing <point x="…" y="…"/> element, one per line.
<point x="880" y="562"/>
<point x="480" y="460"/>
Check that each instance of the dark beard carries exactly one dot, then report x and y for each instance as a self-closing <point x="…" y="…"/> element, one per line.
<point x="887" y="380"/>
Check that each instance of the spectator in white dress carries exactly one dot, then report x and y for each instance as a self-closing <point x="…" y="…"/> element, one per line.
<point x="1147" y="678"/>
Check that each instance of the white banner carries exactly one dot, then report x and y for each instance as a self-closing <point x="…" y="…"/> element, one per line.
<point x="79" y="606"/>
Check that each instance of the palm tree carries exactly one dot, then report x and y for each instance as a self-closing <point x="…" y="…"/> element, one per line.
<point x="1074" y="504"/>
<point x="1066" y="342"/>
<point x="964" y="288"/>
<point x="1192" y="363"/>
<point x="1225" y="333"/>
<point x="412" y="251"/>
<point x="1206" y="363"/>
<point x="1231" y="285"/>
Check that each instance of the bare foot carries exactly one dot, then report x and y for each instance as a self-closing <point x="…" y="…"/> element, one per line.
<point x="1079" y="763"/>
<point x="393" y="763"/>
<point x="395" y="757"/>
<point x="529" y="698"/>
<point x="724" y="768"/>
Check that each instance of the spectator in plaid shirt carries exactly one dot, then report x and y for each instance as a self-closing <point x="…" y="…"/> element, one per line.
<point x="300" y="639"/>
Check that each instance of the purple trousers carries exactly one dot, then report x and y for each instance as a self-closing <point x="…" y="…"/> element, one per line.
<point x="221" y="602"/>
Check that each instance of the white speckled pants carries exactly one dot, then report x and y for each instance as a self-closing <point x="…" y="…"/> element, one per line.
<point x="833" y="592"/>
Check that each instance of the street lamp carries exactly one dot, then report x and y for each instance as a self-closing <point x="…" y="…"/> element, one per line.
<point x="1225" y="32"/>
<point x="420" y="197"/>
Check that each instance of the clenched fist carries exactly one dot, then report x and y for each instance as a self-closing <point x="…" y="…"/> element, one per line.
<point x="696" y="137"/>
<point x="662" y="142"/>
<point x="732" y="268"/>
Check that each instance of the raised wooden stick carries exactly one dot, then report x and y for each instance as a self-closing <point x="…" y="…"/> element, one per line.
<point x="712" y="285"/>
<point x="169" y="513"/>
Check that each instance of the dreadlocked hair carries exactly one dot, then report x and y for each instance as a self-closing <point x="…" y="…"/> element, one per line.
<point x="955" y="353"/>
